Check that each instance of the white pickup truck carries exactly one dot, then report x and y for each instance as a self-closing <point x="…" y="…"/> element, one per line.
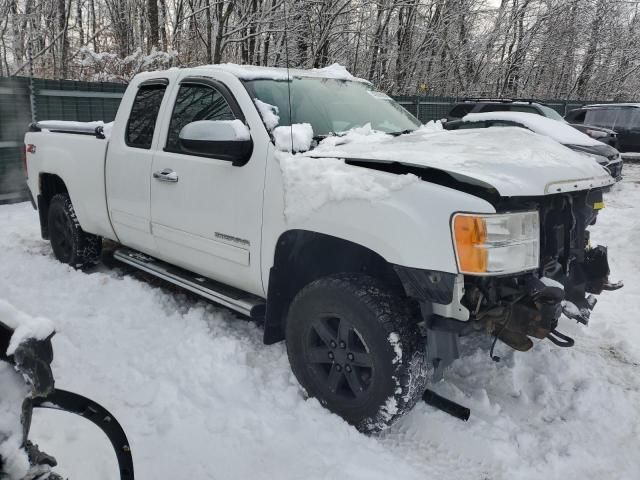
<point x="315" y="204"/>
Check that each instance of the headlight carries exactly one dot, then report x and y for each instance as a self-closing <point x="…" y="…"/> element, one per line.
<point x="495" y="244"/>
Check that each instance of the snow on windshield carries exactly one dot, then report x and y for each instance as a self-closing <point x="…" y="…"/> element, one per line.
<point x="559" y="131"/>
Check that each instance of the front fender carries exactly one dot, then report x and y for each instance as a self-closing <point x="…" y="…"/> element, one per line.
<point x="409" y="227"/>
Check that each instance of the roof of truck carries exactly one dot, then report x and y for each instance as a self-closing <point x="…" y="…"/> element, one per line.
<point x="252" y="72"/>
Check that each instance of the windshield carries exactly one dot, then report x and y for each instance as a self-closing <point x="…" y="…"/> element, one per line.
<point x="333" y="106"/>
<point x="551" y="113"/>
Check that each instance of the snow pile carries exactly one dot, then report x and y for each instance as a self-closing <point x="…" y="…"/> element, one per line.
<point x="560" y="131"/>
<point x="13" y="391"/>
<point x="335" y="71"/>
<point x="297" y="137"/>
<point x="269" y="114"/>
<point x="23" y="325"/>
<point x="310" y="183"/>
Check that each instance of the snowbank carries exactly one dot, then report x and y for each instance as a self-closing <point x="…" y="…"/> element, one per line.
<point x="561" y="132"/>
<point x="297" y="137"/>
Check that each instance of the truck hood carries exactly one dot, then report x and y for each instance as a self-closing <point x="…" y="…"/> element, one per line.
<point x="514" y="161"/>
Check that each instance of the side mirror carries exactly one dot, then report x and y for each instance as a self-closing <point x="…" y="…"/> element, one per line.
<point x="221" y="139"/>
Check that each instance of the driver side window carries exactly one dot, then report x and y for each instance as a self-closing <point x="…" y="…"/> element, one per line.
<point x="195" y="102"/>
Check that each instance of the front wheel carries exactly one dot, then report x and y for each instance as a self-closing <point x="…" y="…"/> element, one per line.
<point x="353" y="346"/>
<point x="69" y="242"/>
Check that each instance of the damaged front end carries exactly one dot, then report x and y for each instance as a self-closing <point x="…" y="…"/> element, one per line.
<point x="571" y="272"/>
<point x="542" y="265"/>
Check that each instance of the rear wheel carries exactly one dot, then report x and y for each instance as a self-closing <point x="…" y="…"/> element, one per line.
<point x="69" y="242"/>
<point x="353" y="346"/>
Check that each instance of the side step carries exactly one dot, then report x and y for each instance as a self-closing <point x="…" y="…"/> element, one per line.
<point x="233" y="298"/>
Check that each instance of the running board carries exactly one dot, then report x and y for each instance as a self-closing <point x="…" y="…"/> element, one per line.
<point x="233" y="298"/>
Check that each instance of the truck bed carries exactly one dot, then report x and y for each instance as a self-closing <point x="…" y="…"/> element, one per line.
<point x="73" y="152"/>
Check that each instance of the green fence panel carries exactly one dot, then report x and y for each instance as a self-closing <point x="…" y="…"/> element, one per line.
<point x="79" y="101"/>
<point x="15" y="115"/>
<point x="53" y="100"/>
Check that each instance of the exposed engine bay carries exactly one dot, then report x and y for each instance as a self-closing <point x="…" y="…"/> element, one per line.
<point x="571" y="272"/>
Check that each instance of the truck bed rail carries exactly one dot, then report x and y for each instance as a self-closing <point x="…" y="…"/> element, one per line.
<point x="78" y="128"/>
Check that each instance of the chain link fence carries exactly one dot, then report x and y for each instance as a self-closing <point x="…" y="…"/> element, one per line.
<point x="23" y="100"/>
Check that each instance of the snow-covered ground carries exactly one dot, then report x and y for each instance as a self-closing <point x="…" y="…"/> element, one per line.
<point x="200" y="397"/>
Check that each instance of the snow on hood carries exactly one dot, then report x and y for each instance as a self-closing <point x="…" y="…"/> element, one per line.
<point x="515" y="161"/>
<point x="310" y="183"/>
<point x="559" y="131"/>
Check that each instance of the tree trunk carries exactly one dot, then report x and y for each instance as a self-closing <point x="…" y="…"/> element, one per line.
<point x="154" y="34"/>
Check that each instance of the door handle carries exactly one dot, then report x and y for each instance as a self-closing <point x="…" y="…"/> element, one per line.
<point x="166" y="175"/>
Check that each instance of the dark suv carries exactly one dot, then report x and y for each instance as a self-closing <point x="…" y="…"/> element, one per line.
<point x="482" y="105"/>
<point x="623" y="118"/>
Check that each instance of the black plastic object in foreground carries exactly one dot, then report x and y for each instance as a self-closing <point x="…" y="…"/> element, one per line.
<point x="446" y="405"/>
<point x="74" y="403"/>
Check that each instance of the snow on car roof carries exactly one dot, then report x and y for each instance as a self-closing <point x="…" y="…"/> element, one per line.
<point x="612" y="105"/>
<point x="253" y="72"/>
<point x="559" y="131"/>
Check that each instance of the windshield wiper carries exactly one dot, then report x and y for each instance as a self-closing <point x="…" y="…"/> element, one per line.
<point x="402" y="132"/>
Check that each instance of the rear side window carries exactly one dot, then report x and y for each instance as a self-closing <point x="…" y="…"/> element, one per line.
<point x="461" y="110"/>
<point x="143" y="116"/>
<point x="195" y="102"/>
<point x="601" y="117"/>
<point x="628" y="118"/>
<point x="576" y="116"/>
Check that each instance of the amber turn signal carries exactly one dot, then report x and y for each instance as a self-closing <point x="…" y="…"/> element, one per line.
<point x="470" y="235"/>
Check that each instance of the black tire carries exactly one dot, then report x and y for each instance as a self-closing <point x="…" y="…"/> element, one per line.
<point x="70" y="243"/>
<point x="380" y="371"/>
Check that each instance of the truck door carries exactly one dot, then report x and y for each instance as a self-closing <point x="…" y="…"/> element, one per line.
<point x="206" y="213"/>
<point x="128" y="166"/>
